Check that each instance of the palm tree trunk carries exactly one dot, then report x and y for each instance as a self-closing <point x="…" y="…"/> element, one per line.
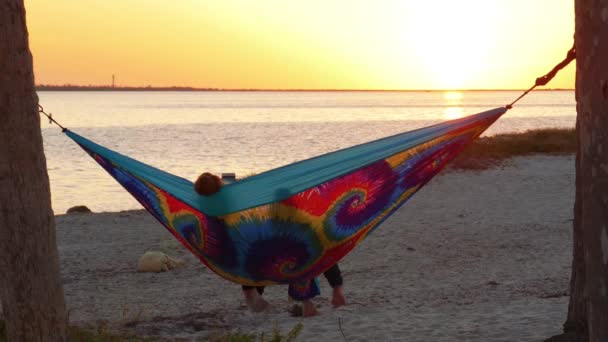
<point x="592" y="109"/>
<point x="30" y="285"/>
<point x="576" y="323"/>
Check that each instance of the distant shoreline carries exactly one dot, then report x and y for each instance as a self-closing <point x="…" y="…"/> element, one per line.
<point x="44" y="87"/>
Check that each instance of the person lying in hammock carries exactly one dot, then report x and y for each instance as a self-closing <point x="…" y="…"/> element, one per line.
<point x="208" y="184"/>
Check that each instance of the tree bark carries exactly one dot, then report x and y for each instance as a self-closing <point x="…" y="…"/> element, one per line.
<point x="30" y="285"/>
<point x="592" y="108"/>
<point x="575" y="327"/>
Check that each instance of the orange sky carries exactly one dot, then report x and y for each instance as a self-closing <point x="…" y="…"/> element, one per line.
<point x="301" y="44"/>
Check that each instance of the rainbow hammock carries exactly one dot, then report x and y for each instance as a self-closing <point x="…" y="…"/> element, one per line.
<point x="288" y="225"/>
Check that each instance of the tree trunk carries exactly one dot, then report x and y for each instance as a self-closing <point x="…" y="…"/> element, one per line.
<point x="30" y="285"/>
<point x="575" y="328"/>
<point x="592" y="108"/>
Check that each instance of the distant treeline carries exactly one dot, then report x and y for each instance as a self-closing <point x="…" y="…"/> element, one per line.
<point x="70" y="87"/>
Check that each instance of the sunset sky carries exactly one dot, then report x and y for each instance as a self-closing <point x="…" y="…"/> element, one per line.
<point x="301" y="44"/>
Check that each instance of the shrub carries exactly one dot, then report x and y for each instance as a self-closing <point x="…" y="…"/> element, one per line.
<point x="491" y="151"/>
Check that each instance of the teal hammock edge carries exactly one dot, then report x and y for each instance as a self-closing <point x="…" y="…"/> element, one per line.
<point x="280" y="183"/>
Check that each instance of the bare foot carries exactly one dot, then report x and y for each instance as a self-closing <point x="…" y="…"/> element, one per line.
<point x="338" y="297"/>
<point x="295" y="310"/>
<point x="309" y="309"/>
<point x="255" y="301"/>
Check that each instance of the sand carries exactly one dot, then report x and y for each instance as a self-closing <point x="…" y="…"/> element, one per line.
<point x="474" y="256"/>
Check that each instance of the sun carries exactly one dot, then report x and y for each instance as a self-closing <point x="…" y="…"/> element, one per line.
<point x="453" y="40"/>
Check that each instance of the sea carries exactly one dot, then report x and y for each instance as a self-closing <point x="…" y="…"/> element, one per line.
<point x="247" y="132"/>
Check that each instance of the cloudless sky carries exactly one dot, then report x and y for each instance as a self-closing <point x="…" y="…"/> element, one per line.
<point x="301" y="44"/>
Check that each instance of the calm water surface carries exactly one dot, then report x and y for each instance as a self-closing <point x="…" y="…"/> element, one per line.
<point x="186" y="133"/>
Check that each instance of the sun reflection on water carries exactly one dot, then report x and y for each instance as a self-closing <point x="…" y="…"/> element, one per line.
<point x="453" y="96"/>
<point x="453" y="100"/>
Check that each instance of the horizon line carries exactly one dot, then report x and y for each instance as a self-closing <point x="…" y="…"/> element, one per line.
<point x="72" y="87"/>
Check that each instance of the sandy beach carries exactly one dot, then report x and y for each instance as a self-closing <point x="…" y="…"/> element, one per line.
<point x="474" y="256"/>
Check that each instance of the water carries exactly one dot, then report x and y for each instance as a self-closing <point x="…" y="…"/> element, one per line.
<point x="187" y="133"/>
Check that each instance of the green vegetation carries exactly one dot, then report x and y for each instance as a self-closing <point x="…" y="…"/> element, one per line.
<point x="492" y="151"/>
<point x="102" y="334"/>
<point x="78" y="334"/>
<point x="99" y="334"/>
<point x="275" y="336"/>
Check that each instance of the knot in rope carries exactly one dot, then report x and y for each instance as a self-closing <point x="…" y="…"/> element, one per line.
<point x="50" y="117"/>
<point x="543" y="80"/>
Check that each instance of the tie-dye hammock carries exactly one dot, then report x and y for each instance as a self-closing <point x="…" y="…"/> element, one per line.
<point x="290" y="224"/>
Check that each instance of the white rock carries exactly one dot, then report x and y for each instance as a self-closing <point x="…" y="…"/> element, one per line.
<point x="154" y="261"/>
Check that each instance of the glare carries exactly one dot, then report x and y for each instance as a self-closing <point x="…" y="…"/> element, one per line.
<point x="451" y="113"/>
<point x="456" y="43"/>
<point x="453" y="99"/>
<point x="453" y="96"/>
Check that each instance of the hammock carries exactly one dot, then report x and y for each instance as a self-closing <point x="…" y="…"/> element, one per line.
<point x="290" y="224"/>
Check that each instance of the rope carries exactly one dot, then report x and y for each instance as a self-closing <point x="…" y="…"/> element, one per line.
<point x="50" y="116"/>
<point x="543" y="80"/>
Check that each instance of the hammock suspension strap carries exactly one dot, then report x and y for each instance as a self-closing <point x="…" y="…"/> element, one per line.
<point x="543" y="80"/>
<point x="50" y="117"/>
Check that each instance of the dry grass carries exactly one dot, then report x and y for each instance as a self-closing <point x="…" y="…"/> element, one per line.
<point x="101" y="332"/>
<point x="98" y="333"/>
<point x="492" y="151"/>
<point x="275" y="336"/>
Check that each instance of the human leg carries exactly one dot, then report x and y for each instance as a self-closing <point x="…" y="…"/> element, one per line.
<point x="260" y="289"/>
<point x="254" y="299"/>
<point x="334" y="278"/>
<point x="304" y="292"/>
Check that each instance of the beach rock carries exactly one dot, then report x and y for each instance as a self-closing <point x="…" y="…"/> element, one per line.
<point x="154" y="261"/>
<point x="79" y="209"/>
